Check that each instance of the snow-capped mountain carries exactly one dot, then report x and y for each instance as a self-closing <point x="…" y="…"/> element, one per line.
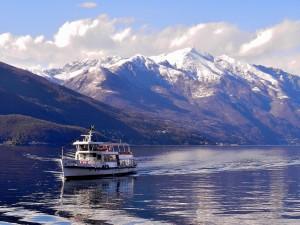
<point x="224" y="99"/>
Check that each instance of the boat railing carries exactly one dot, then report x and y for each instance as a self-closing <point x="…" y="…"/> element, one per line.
<point x="81" y="163"/>
<point x="128" y="163"/>
<point x="109" y="147"/>
<point x="70" y="155"/>
<point x="86" y="163"/>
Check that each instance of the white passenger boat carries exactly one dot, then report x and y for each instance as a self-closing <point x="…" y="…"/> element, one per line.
<point x="93" y="159"/>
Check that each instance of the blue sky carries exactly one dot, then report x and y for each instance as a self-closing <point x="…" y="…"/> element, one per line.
<point x="49" y="33"/>
<point x="45" y="17"/>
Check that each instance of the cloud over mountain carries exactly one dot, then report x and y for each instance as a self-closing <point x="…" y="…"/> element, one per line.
<point x="277" y="45"/>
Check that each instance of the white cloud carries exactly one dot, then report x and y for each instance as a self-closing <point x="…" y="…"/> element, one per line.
<point x="88" y="5"/>
<point x="276" y="46"/>
<point x="70" y="30"/>
<point x="262" y="38"/>
<point x="22" y="42"/>
<point x="279" y="38"/>
<point x="122" y="35"/>
<point x="39" y="39"/>
<point x="4" y="39"/>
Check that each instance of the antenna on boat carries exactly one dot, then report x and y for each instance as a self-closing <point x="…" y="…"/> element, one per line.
<point x="92" y="127"/>
<point x="91" y="131"/>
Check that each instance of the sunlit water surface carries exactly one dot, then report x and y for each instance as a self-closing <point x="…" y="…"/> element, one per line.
<point x="174" y="185"/>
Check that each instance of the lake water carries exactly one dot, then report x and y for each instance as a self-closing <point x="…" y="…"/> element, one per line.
<point x="174" y="185"/>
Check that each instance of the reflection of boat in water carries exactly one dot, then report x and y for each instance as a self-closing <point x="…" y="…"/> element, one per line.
<point x="108" y="186"/>
<point x="94" y="158"/>
<point x="94" y="201"/>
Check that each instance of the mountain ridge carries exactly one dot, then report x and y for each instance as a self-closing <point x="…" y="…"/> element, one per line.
<point x="44" y="102"/>
<point x="227" y="100"/>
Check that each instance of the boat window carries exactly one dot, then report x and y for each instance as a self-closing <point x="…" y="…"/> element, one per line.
<point x="82" y="156"/>
<point x="91" y="155"/>
<point x="102" y="148"/>
<point x="109" y="158"/>
<point x="127" y="162"/>
<point x="99" y="157"/>
<point x="83" y="147"/>
<point x="94" y="147"/>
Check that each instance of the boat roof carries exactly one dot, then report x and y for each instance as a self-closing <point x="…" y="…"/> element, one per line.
<point x="99" y="152"/>
<point x="98" y="143"/>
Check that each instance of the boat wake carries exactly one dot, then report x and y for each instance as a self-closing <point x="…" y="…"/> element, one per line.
<point x="203" y="161"/>
<point x="40" y="158"/>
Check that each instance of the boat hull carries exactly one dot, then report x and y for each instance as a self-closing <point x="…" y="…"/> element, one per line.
<point x="84" y="172"/>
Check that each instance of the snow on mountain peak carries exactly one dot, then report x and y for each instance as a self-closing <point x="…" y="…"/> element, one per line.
<point x="226" y="58"/>
<point x="244" y="70"/>
<point x="184" y="56"/>
<point x="137" y="60"/>
<point x="186" y="64"/>
<point x="196" y="65"/>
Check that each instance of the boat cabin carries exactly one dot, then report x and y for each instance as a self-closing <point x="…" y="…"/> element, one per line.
<point x="94" y="152"/>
